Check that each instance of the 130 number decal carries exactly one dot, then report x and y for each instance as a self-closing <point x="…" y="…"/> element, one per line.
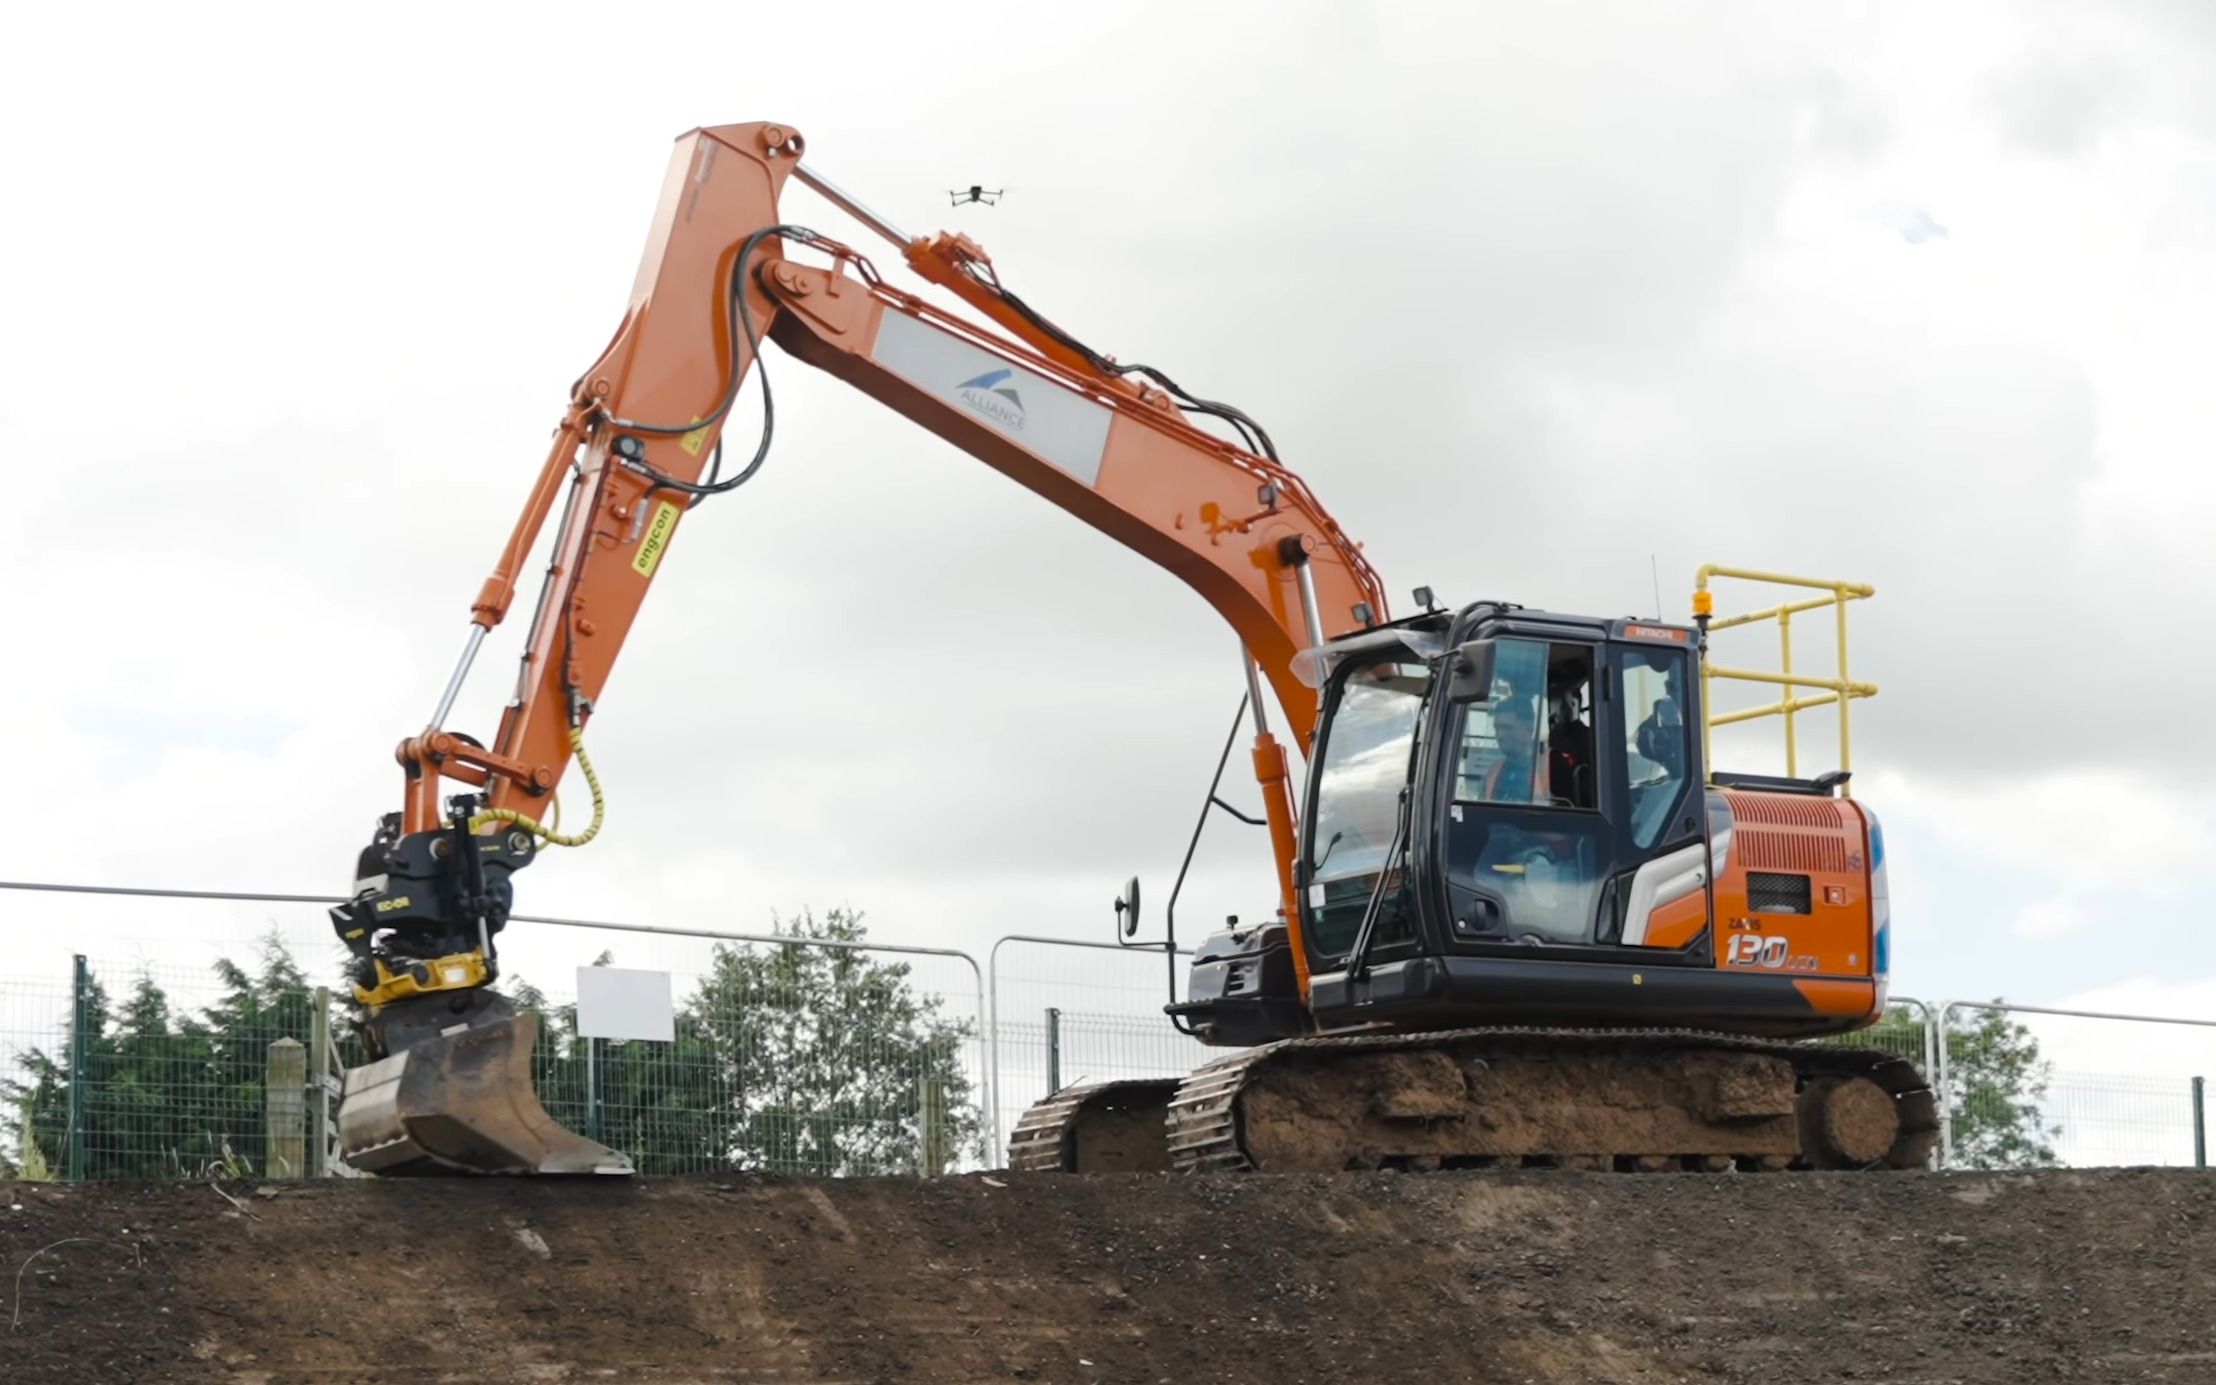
<point x="1751" y="950"/>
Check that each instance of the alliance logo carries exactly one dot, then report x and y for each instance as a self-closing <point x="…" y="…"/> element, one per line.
<point x="992" y="396"/>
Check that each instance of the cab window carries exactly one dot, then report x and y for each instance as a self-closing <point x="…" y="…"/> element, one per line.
<point x="1526" y="851"/>
<point x="1532" y="744"/>
<point x="1658" y="743"/>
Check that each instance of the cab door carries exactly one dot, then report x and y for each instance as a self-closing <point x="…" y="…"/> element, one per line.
<point x="1661" y="896"/>
<point x="1527" y="845"/>
<point x="1574" y="816"/>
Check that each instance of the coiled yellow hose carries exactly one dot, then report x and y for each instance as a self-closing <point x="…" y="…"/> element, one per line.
<point x="549" y="834"/>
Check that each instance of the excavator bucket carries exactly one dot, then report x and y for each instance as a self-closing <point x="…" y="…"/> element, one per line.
<point x="462" y="1103"/>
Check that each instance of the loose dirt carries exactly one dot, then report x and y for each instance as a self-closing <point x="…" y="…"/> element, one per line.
<point x="1497" y="1278"/>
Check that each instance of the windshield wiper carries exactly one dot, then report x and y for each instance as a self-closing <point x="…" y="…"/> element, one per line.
<point x="1391" y="868"/>
<point x="1328" y="848"/>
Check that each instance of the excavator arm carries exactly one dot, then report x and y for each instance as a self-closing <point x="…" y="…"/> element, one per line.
<point x="641" y="445"/>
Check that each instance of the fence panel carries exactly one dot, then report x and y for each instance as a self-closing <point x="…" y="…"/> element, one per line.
<point x="157" y="1072"/>
<point x="34" y="1022"/>
<point x="807" y="1056"/>
<point x="1100" y="1047"/>
<point x="1112" y="1025"/>
<point x="821" y="1056"/>
<point x="1905" y="1029"/>
<point x="814" y="1055"/>
<point x="2031" y="1087"/>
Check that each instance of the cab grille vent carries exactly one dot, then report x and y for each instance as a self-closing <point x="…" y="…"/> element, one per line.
<point x="1785" y="810"/>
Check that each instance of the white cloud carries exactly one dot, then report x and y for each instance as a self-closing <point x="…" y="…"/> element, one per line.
<point x="2078" y="834"/>
<point x="2050" y="918"/>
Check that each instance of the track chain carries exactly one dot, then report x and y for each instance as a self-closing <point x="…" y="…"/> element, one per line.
<point x="1040" y="1141"/>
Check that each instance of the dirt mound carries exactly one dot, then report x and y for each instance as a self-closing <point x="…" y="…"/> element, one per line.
<point x="1527" y="1278"/>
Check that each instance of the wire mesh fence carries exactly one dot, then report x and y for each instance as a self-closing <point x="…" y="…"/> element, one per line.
<point x="34" y="1018"/>
<point x="814" y="1052"/>
<point x="1106" y="1018"/>
<point x="792" y="1058"/>
<point x="149" y="1072"/>
<point x="2126" y="1090"/>
<point x="2097" y="1120"/>
<point x="817" y="1052"/>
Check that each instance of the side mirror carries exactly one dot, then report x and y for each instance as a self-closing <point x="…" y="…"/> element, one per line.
<point x="1473" y="672"/>
<point x="1127" y="907"/>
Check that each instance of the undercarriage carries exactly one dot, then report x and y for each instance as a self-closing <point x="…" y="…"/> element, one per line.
<point x="1650" y="1100"/>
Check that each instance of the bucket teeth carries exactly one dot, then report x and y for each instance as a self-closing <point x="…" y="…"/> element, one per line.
<point x="462" y="1103"/>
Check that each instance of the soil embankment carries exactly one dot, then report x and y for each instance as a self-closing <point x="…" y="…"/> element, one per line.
<point x="1528" y="1278"/>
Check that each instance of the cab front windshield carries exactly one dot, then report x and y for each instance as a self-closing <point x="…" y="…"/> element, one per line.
<point x="1358" y="784"/>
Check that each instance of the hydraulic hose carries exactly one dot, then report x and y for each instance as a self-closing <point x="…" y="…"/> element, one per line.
<point x="549" y="834"/>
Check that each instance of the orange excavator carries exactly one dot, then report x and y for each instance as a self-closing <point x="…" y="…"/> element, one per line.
<point x="1518" y="919"/>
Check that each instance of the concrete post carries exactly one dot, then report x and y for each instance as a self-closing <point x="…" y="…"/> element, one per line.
<point x="2200" y="1123"/>
<point x="319" y="1086"/>
<point x="935" y="1153"/>
<point x="1053" y="1050"/>
<point x="592" y="1090"/>
<point x="285" y="1091"/>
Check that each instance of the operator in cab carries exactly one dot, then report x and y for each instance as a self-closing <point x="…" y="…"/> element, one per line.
<point x="1520" y="774"/>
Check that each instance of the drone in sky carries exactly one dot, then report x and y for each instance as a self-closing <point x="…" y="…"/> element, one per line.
<point x="974" y="193"/>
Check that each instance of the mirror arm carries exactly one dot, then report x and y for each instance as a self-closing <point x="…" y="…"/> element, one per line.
<point x="1251" y="822"/>
<point x="1128" y="926"/>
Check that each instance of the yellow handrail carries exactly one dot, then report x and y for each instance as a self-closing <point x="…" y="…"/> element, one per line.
<point x="1841" y="689"/>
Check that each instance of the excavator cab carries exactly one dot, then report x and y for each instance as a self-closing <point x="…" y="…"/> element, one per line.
<point x="1508" y="819"/>
<point x="1532" y="929"/>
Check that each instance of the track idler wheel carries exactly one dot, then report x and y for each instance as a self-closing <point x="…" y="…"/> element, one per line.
<point x="1847" y="1123"/>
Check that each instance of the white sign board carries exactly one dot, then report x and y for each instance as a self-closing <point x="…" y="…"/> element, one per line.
<point x="614" y="1003"/>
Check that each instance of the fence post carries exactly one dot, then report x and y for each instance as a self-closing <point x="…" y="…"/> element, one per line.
<point x="80" y="1035"/>
<point x="592" y="1089"/>
<point x="1053" y="1050"/>
<point x="2200" y="1123"/>
<point x="319" y="1086"/>
<point x="285" y="1098"/>
<point x="934" y="1154"/>
<point x="1940" y="1088"/>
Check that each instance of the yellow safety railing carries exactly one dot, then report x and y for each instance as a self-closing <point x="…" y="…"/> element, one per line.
<point x="1836" y="691"/>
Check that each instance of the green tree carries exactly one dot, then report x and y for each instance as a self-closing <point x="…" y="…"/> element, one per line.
<point x="164" y="1094"/>
<point x="794" y="1059"/>
<point x="1996" y="1085"/>
<point x="788" y="1059"/>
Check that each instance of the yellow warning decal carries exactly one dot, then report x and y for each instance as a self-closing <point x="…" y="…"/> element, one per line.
<point x="655" y="540"/>
<point x="692" y="442"/>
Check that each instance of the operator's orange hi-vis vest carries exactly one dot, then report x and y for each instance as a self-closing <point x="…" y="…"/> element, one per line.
<point x="1539" y="791"/>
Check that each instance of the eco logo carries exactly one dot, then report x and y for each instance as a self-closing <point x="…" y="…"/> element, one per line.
<point x="991" y="395"/>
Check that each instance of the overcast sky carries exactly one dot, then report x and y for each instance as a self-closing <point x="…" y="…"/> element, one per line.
<point x="1541" y="300"/>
